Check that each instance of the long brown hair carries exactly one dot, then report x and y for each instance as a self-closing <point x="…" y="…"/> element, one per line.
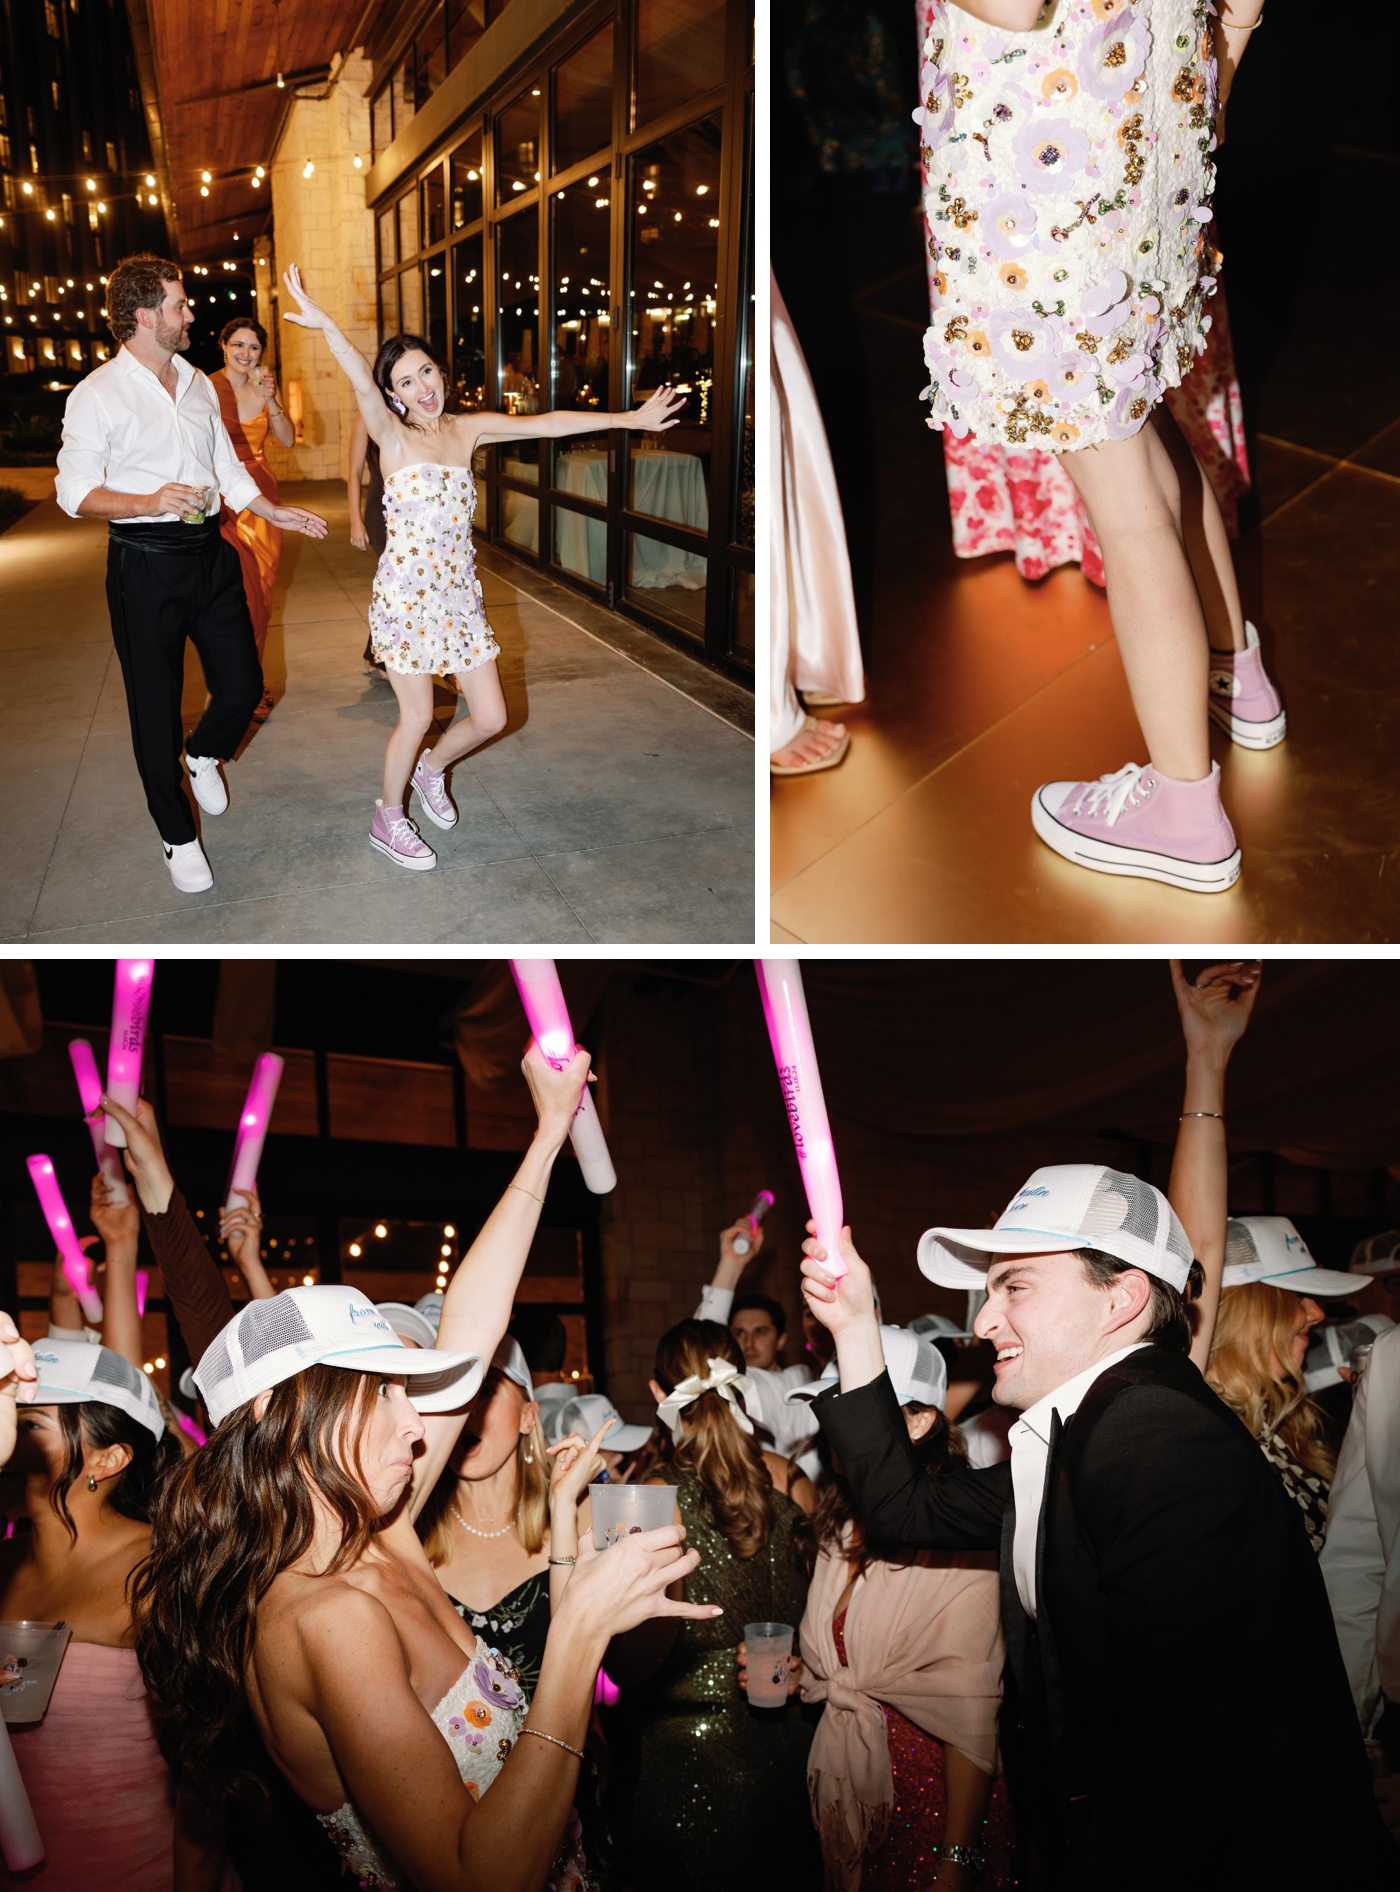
<point x="1254" y="1332"/>
<point x="835" y="1524"/>
<point x="728" y="1461"/>
<point x="531" y="1497"/>
<point x="226" y="1523"/>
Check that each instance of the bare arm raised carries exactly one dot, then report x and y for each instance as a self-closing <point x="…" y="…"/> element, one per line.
<point x="377" y="418"/>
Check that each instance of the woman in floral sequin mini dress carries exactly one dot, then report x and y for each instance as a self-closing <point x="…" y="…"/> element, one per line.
<point x="1068" y="156"/>
<point x="426" y="617"/>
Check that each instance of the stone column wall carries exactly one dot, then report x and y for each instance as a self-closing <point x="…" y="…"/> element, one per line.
<point x="323" y="226"/>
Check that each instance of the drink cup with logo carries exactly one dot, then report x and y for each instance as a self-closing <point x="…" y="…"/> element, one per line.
<point x="619" y="1510"/>
<point x="768" y="1646"/>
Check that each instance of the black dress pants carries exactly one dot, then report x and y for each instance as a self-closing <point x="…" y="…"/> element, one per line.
<point x="158" y="598"/>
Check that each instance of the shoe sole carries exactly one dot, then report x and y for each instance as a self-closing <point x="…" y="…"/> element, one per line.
<point x="431" y="812"/>
<point x="1249" y="735"/>
<point x="1105" y="857"/>
<point x="402" y="860"/>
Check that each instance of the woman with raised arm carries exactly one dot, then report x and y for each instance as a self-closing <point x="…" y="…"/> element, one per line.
<point x="286" y="1578"/>
<point x="426" y="617"/>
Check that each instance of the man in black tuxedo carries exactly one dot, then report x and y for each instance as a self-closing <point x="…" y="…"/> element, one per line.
<point x="1177" y="1713"/>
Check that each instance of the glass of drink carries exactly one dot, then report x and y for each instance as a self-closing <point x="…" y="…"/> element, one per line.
<point x="199" y="507"/>
<point x="767" y="1646"/>
<point x="619" y="1510"/>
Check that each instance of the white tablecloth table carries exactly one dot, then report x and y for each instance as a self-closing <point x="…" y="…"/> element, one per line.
<point x="666" y="485"/>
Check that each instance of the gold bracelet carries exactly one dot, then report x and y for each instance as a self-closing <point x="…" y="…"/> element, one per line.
<point x="1233" y="26"/>
<point x="1217" y="1114"/>
<point x="526" y="1192"/>
<point x="540" y="1733"/>
<point x="564" y="1560"/>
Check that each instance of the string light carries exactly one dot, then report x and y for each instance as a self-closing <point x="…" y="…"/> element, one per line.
<point x="308" y="168"/>
<point x="149" y="178"/>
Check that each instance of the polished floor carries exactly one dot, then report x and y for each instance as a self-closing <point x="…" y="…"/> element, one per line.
<point x="617" y="807"/>
<point x="982" y="686"/>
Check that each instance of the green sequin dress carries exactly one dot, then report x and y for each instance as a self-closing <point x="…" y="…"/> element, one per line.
<point x="708" y="1792"/>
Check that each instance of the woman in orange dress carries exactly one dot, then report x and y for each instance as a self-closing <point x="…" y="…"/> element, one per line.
<point x="252" y="408"/>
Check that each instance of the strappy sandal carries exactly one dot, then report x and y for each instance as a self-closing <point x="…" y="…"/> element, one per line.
<point x="828" y="761"/>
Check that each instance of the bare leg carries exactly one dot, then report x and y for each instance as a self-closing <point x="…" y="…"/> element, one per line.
<point x="1133" y="497"/>
<point x="415" y="695"/>
<point x="1207" y="542"/>
<point x="486" y="716"/>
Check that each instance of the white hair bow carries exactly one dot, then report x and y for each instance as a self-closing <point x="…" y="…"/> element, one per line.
<point x="724" y="1379"/>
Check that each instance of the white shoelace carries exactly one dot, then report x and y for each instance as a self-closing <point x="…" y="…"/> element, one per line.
<point x="1111" y="794"/>
<point x="401" y="833"/>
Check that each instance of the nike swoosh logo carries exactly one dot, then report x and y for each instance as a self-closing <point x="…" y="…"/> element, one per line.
<point x="169" y="852"/>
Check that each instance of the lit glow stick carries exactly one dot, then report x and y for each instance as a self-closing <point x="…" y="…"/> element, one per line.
<point x="90" y="1090"/>
<point x="65" y="1238"/>
<point x="19" y="1836"/>
<point x="252" y="1126"/>
<point x="762" y="1203"/>
<point x="541" y="994"/>
<point x="790" y="1032"/>
<point x="142" y="1283"/>
<point x="131" y="1007"/>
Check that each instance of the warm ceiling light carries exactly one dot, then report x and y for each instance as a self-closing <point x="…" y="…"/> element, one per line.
<point x="516" y="186"/>
<point x="102" y="206"/>
<point x="149" y="178"/>
<point x="592" y="183"/>
<point x="152" y="198"/>
<point x="380" y="1230"/>
<point x="49" y="214"/>
<point x="71" y="283"/>
<point x="355" y="1250"/>
<point x="92" y="184"/>
<point x="702" y="190"/>
<point x="358" y="162"/>
<point x="446" y="1250"/>
<point x="307" y="168"/>
<point x="306" y="1281"/>
<point x="256" y="182"/>
<point x="535" y="94"/>
<point x="207" y="177"/>
<point x="448" y="1229"/>
<point x="29" y="190"/>
<point x="204" y="190"/>
<point x="260" y="172"/>
<point x="281" y="83"/>
<point x="160" y="1359"/>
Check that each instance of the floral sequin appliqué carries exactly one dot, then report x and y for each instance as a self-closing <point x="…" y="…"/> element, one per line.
<point x="1067" y="197"/>
<point x="426" y="615"/>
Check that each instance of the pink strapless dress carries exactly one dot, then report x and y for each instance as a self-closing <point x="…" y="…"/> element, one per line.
<point x="100" y="1791"/>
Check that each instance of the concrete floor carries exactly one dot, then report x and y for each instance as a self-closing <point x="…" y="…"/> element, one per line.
<point x="614" y="808"/>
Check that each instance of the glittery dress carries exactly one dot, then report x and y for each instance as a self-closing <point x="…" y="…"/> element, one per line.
<point x="1067" y="202"/>
<point x="426" y="615"/>
<point x="708" y="1792"/>
<point x="906" y="1861"/>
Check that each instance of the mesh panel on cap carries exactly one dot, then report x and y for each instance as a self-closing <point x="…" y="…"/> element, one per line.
<point x="928" y="1362"/>
<point x="1126" y="1203"/>
<point x="216" y="1366"/>
<point x="109" y="1369"/>
<point x="1239" y="1246"/>
<point x="268" y="1326"/>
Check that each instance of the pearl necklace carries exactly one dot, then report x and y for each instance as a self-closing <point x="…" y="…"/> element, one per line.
<point x="472" y="1528"/>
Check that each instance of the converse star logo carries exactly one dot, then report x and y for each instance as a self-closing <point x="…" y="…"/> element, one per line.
<point x="1224" y="683"/>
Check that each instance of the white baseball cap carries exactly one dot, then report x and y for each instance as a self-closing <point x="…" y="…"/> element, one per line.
<point x="72" y="1373"/>
<point x="1269" y="1248"/>
<point x="1067" y="1206"/>
<point x="408" y="1323"/>
<point x="430" y="1307"/>
<point x="508" y="1359"/>
<point x="1331" y="1344"/>
<point x="939" y="1327"/>
<point x="267" y="1342"/>
<point x="1378" y="1254"/>
<point x="916" y="1368"/>
<point x="585" y="1412"/>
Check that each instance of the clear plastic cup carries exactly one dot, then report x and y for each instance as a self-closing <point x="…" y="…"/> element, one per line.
<point x="767" y="1647"/>
<point x="196" y="518"/>
<point x="618" y="1510"/>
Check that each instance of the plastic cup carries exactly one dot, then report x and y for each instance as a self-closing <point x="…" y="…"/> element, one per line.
<point x="767" y="1646"/>
<point x="193" y="518"/>
<point x="619" y="1510"/>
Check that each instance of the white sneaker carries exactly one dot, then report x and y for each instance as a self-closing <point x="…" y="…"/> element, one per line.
<point x="188" y="867"/>
<point x="207" y="783"/>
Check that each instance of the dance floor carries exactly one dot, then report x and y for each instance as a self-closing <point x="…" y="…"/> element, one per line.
<point x="618" y="805"/>
<point x="981" y="686"/>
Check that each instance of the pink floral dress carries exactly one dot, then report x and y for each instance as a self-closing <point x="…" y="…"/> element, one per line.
<point x="1067" y="193"/>
<point x="426" y="614"/>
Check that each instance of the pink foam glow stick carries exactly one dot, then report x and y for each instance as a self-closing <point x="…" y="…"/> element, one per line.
<point x="65" y="1238"/>
<point x="252" y="1126"/>
<point x="19" y="1836"/>
<point x="90" y="1091"/>
<point x="762" y="1203"/>
<point x="541" y="994"/>
<point x="790" y="1031"/>
<point x="142" y="1283"/>
<point x="131" y="1007"/>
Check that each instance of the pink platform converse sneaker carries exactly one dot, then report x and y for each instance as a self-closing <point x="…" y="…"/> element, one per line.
<point x="1242" y="700"/>
<point x="1143" y="823"/>
<point x="395" y="835"/>
<point x="431" y="784"/>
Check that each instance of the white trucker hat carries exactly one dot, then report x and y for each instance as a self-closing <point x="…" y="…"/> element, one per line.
<point x="408" y="1323"/>
<point x="269" y="1341"/>
<point x="1378" y="1254"/>
<point x="1067" y="1206"/>
<point x="938" y="1327"/>
<point x="72" y="1373"/>
<point x="1269" y="1248"/>
<point x="1332" y="1344"/>
<point x="508" y="1359"/>
<point x="585" y="1412"/>
<point x="916" y="1368"/>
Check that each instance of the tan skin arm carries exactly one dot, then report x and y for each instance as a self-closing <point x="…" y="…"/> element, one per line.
<point x="1214" y="1015"/>
<point x="240" y="1230"/>
<point x="1012" y="16"/>
<point x="379" y="422"/>
<point x="120" y="1229"/>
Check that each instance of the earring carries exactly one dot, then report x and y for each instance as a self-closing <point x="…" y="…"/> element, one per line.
<point x="92" y="1484"/>
<point x="530" y="1456"/>
<point x="398" y="404"/>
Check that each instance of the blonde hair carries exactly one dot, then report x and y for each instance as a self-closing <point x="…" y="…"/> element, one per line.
<point x="531" y="1500"/>
<point x="1254" y="1333"/>
<point x="727" y="1460"/>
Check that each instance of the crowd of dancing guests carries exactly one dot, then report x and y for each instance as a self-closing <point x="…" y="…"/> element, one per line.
<point x="351" y="1626"/>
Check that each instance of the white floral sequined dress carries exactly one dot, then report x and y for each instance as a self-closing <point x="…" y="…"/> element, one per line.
<point x="480" y="1718"/>
<point x="1067" y="203"/>
<point x="426" y="615"/>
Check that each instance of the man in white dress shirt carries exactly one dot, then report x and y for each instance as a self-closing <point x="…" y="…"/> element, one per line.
<point x="144" y="447"/>
<point x="758" y="1327"/>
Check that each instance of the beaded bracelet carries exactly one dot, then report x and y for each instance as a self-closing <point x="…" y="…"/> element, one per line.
<point x="541" y="1735"/>
<point x="967" y="1856"/>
